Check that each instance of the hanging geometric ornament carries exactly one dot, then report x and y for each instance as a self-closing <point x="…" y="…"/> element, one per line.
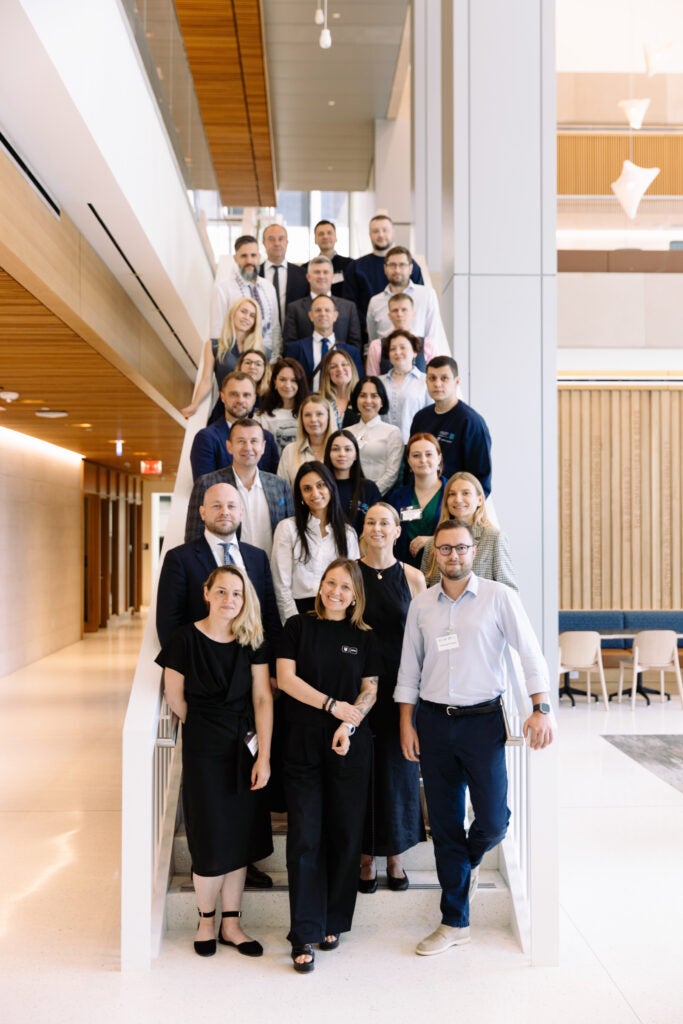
<point x="635" y="111"/>
<point x="631" y="186"/>
<point x="656" y="58"/>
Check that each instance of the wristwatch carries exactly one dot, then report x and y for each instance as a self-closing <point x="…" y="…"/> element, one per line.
<point x="543" y="708"/>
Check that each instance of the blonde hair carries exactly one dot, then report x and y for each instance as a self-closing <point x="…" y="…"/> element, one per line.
<point x="327" y="389"/>
<point x="253" y="338"/>
<point x="480" y="518"/>
<point x="301" y="435"/>
<point x="354" y="612"/>
<point x="246" y="626"/>
<point x="263" y="385"/>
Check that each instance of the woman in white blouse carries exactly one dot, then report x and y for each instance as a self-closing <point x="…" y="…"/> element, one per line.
<point x="316" y="423"/>
<point x="381" y="444"/>
<point x="406" y="386"/>
<point x="279" y="409"/>
<point x="306" y="543"/>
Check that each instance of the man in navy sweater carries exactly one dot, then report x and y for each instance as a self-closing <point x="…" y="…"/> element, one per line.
<point x="462" y="433"/>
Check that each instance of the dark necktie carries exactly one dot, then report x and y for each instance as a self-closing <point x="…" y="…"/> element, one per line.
<point x="325" y="349"/>
<point x="276" y="286"/>
<point x="227" y="557"/>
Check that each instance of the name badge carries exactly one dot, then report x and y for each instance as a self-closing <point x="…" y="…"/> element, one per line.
<point x="447" y="642"/>
<point x="349" y="650"/>
<point x="410" y="513"/>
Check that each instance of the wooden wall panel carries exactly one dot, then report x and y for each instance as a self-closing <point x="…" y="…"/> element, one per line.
<point x="587" y="163"/>
<point x="621" y="496"/>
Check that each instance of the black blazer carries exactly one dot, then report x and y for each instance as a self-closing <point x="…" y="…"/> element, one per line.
<point x="302" y="351"/>
<point x="180" y="594"/>
<point x="298" y="323"/>
<point x="297" y="282"/>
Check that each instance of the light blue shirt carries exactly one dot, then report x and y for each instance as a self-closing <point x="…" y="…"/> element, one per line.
<point x="469" y="669"/>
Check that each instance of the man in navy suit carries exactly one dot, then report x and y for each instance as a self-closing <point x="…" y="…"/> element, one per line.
<point x="209" y="451"/>
<point x="319" y="276"/>
<point x="180" y="593"/>
<point x="311" y="351"/>
<point x="288" y="280"/>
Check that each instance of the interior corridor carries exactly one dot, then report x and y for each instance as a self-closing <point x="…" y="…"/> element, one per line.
<point x="621" y="900"/>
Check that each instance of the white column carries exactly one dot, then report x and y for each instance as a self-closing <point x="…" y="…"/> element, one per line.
<point x="499" y="297"/>
<point x="392" y="175"/>
<point x="426" y="141"/>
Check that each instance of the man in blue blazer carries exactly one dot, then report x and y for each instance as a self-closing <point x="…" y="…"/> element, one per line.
<point x="209" y="451"/>
<point x="310" y="351"/>
<point x="319" y="275"/>
<point x="180" y="594"/>
<point x="288" y="280"/>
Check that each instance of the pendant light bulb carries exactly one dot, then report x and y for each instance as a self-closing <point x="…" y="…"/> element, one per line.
<point x="325" y="39"/>
<point x="319" y="16"/>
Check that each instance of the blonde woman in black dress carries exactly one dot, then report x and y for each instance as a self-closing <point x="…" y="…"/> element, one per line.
<point x="394" y="816"/>
<point x="217" y="683"/>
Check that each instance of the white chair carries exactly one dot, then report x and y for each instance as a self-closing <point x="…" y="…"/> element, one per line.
<point x="655" y="649"/>
<point x="580" y="651"/>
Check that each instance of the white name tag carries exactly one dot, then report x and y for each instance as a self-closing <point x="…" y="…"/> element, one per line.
<point x="447" y="642"/>
<point x="408" y="514"/>
<point x="337" y="278"/>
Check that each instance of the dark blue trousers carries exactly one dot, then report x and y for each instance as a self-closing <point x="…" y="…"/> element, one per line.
<point x="458" y="754"/>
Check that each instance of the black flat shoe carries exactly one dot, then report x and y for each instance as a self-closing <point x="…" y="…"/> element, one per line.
<point x="367" y="885"/>
<point x="250" y="947"/>
<point x="307" y="950"/>
<point x="397" y="884"/>
<point x="328" y="944"/>
<point x="257" y="879"/>
<point x="205" y="947"/>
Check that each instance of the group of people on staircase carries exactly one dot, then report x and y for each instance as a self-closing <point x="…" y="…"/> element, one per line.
<point x="333" y="627"/>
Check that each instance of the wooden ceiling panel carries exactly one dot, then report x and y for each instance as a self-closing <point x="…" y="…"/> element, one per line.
<point x="50" y="365"/>
<point x="224" y="46"/>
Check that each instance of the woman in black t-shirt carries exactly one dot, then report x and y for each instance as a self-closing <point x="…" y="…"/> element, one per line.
<point x="328" y="666"/>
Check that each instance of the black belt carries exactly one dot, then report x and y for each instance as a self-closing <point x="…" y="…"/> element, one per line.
<point x="463" y="711"/>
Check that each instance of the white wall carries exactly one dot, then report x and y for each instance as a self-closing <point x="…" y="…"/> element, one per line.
<point x="620" y="311"/>
<point x="41" y="531"/>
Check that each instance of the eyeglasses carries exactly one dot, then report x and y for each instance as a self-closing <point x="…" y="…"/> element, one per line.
<point x="460" y="549"/>
<point x="397" y="266"/>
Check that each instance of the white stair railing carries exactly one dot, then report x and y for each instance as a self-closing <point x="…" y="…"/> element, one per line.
<point x="150" y="764"/>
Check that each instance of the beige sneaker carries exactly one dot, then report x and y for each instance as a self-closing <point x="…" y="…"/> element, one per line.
<point x="442" y="939"/>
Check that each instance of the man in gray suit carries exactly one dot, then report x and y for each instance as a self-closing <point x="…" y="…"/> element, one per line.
<point x="297" y="323"/>
<point x="266" y="498"/>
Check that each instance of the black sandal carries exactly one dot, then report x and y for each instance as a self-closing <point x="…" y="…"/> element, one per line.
<point x="205" y="947"/>
<point x="308" y="965"/>
<point x="248" y="948"/>
<point x="331" y="943"/>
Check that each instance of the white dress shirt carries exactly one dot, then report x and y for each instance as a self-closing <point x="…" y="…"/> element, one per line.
<point x="381" y="451"/>
<point x="454" y="651"/>
<point x="427" y="322"/>
<point x="216" y="545"/>
<point x="405" y="399"/>
<point x="292" y="577"/>
<point x="318" y="354"/>
<point x="256" y="526"/>
<point x="269" y="274"/>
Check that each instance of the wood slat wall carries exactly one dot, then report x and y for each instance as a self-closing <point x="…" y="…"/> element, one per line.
<point x="587" y="163"/>
<point x="620" y="497"/>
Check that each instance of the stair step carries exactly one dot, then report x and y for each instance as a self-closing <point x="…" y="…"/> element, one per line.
<point x="269" y="908"/>
<point x="419" y="858"/>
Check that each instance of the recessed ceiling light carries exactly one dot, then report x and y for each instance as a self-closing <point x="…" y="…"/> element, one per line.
<point x="330" y="167"/>
<point x="331" y="103"/>
<point x="9" y="396"/>
<point x="83" y="426"/>
<point x="51" y="414"/>
<point x="336" y="14"/>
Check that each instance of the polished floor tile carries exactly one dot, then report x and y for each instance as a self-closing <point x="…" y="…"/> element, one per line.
<point x="621" y="837"/>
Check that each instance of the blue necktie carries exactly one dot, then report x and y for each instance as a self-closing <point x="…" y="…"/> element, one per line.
<point x="326" y="347"/>
<point x="227" y="557"/>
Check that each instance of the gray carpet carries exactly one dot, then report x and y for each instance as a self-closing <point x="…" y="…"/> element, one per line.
<point x="662" y="755"/>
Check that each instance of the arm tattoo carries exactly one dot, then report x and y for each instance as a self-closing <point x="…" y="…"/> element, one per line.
<point x="368" y="694"/>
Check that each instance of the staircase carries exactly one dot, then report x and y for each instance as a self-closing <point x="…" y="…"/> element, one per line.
<point x="268" y="909"/>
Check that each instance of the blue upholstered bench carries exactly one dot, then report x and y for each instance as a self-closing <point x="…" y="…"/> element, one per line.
<point x="597" y="620"/>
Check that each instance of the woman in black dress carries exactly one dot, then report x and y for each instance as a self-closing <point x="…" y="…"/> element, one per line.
<point x="394" y="817"/>
<point x="327" y="666"/>
<point x="356" y="493"/>
<point x="217" y="682"/>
